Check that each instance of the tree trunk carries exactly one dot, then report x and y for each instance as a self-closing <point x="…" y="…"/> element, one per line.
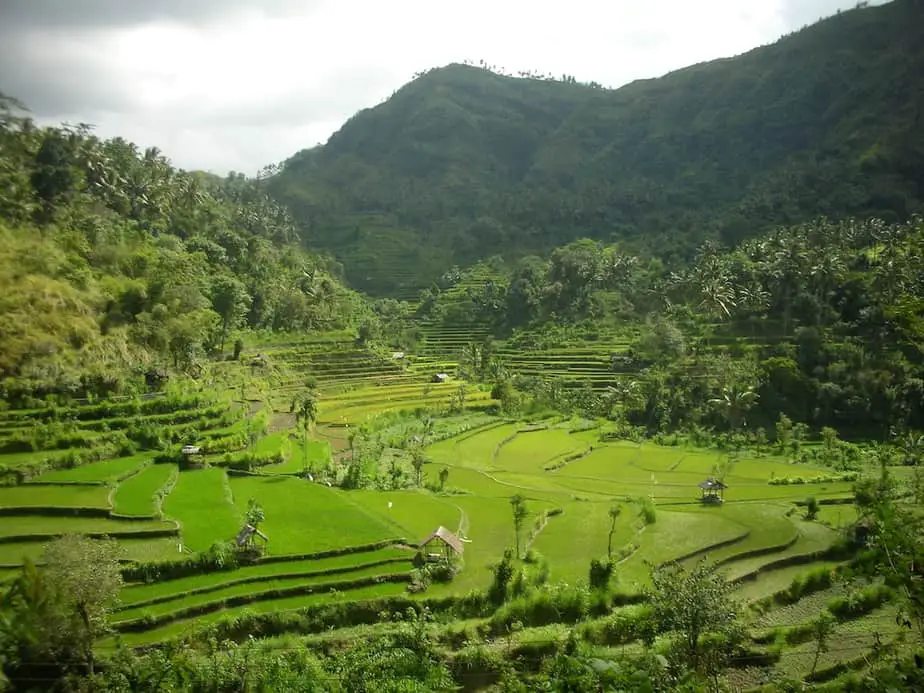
<point x="815" y="661"/>
<point x="88" y="648"/>
<point x="224" y="332"/>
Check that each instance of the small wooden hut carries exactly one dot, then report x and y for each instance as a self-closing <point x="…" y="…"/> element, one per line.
<point x="712" y="491"/>
<point x="192" y="457"/>
<point x="451" y="544"/>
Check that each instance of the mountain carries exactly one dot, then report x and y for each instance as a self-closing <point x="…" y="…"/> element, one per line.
<point x="462" y="164"/>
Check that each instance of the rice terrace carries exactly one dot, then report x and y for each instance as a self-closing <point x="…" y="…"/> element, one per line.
<point x="587" y="493"/>
<point x="517" y="383"/>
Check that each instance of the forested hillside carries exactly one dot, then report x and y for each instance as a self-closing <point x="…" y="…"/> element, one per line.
<point x="820" y="322"/>
<point x="462" y="163"/>
<point x="114" y="264"/>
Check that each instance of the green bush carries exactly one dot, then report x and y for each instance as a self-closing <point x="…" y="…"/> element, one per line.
<point x="550" y="604"/>
<point x="801" y="586"/>
<point x="824" y="479"/>
<point x="860" y="602"/>
<point x="812" y="507"/>
<point x="601" y="572"/>
<point x="647" y="511"/>
<point x="624" y="626"/>
<point x="220" y="556"/>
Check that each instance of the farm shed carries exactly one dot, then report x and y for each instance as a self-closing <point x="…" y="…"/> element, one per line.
<point x="450" y="542"/>
<point x="440" y="377"/>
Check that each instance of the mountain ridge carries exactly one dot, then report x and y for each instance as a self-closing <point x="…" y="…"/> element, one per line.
<point x="461" y="164"/>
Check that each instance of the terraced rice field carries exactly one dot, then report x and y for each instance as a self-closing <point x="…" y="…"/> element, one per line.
<point x="326" y="545"/>
<point x="138" y="494"/>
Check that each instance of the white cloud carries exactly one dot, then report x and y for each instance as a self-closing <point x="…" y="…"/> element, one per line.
<point x="242" y="88"/>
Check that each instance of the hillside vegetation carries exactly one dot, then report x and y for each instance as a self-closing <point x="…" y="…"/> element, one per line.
<point x="114" y="264"/>
<point x="461" y="163"/>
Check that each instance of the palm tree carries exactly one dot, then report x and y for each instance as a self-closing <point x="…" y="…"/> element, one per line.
<point x="305" y="408"/>
<point x="912" y="447"/>
<point x="614" y="514"/>
<point x="786" y="269"/>
<point x="351" y="439"/>
<point x="734" y="404"/>
<point x="472" y="356"/>
<point x="418" y="460"/>
<point x="427" y="430"/>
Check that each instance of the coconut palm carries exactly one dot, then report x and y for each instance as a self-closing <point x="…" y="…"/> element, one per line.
<point x="734" y="403"/>
<point x="305" y="408"/>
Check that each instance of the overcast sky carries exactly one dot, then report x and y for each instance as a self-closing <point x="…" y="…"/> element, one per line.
<point x="236" y="84"/>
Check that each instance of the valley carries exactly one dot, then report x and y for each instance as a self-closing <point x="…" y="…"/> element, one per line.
<point x="515" y="384"/>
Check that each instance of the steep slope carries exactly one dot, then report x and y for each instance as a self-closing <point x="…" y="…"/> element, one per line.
<point x="114" y="265"/>
<point x="462" y="164"/>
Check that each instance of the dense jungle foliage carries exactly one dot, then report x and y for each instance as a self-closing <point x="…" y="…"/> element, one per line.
<point x="113" y="263"/>
<point x="461" y="163"/>
<point x="820" y="323"/>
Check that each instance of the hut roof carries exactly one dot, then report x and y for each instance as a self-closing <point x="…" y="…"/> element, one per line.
<point x="712" y="485"/>
<point x="447" y="537"/>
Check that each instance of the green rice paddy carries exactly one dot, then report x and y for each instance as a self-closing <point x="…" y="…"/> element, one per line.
<point x="570" y="481"/>
<point x="138" y="495"/>
<point x="106" y="470"/>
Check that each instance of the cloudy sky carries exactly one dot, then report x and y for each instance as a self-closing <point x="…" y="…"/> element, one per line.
<point x="235" y="84"/>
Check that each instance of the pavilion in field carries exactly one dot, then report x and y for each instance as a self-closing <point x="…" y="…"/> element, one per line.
<point x="712" y="491"/>
<point x="451" y="544"/>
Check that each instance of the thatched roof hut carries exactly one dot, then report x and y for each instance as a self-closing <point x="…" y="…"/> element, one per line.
<point x="449" y="540"/>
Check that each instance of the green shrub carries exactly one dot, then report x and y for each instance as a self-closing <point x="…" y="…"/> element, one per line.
<point x="801" y="586"/>
<point x="503" y="575"/>
<point x="420" y="580"/>
<point x="550" y="604"/>
<point x="860" y="602"/>
<point x="625" y="626"/>
<point x="601" y="572"/>
<point x="811" y="508"/>
<point x="823" y="479"/>
<point x="441" y="572"/>
<point x="647" y="511"/>
<point x="219" y="557"/>
<point x="477" y="667"/>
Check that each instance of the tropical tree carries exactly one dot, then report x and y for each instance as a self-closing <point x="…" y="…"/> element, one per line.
<point x="418" y="460"/>
<point x="691" y="604"/>
<point x="444" y="475"/>
<point x="895" y="543"/>
<point x="351" y="441"/>
<point x="734" y="403"/>
<point x="518" y="506"/>
<point x="614" y="514"/>
<point x="255" y="514"/>
<point x="305" y="408"/>
<point x="59" y="611"/>
<point x="428" y="424"/>
<point x="822" y="628"/>
<point x="912" y="447"/>
<point x="231" y="301"/>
